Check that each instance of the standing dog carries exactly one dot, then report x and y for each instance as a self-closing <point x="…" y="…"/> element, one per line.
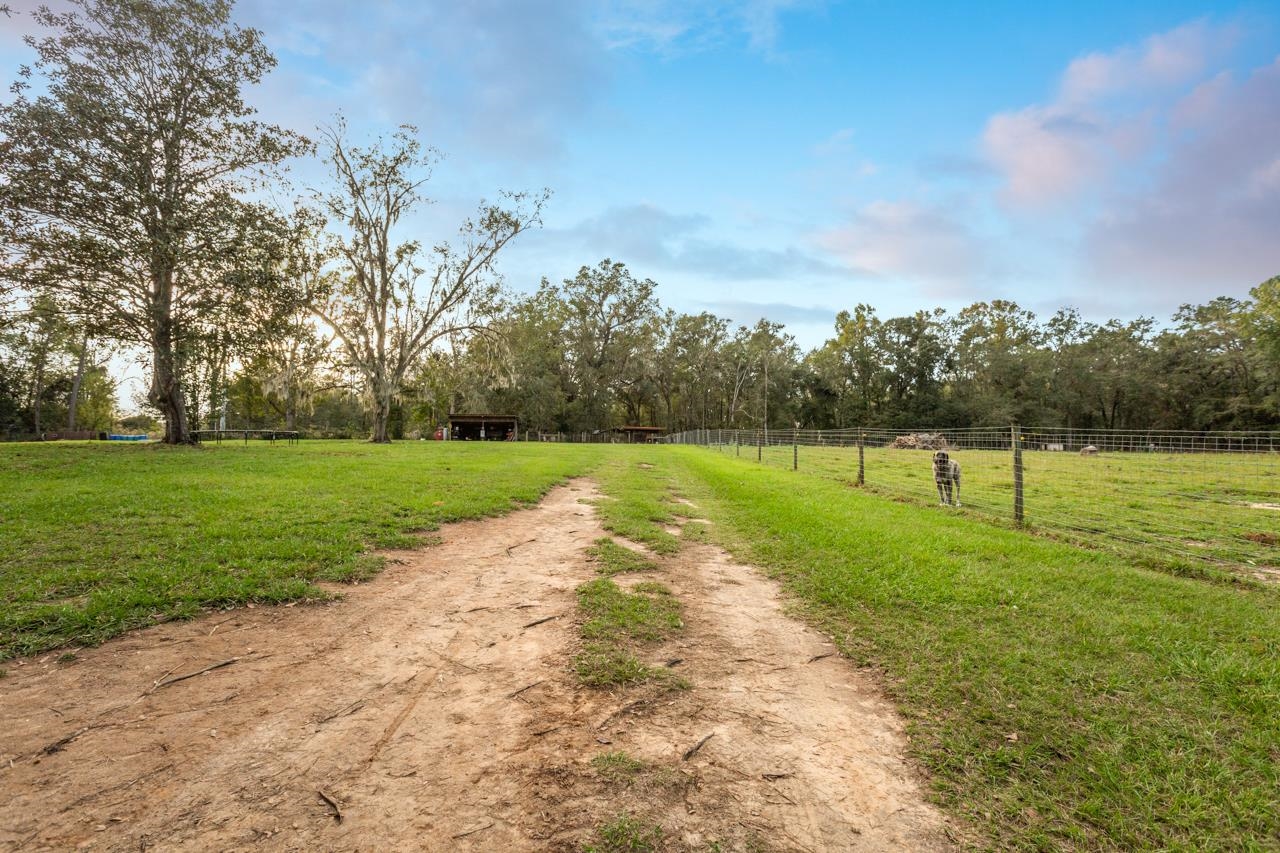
<point x="946" y="474"/>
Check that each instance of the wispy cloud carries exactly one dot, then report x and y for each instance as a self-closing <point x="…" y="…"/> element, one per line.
<point x="672" y="27"/>
<point x="644" y="233"/>
<point x="1166" y="164"/>
<point x="903" y="240"/>
<point x="746" y="313"/>
<point x="1208" y="222"/>
<point x="499" y="77"/>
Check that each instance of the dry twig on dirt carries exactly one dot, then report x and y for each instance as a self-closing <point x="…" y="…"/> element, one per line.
<point x="349" y="709"/>
<point x="516" y="695"/>
<point x="61" y="743"/>
<point x="518" y="544"/>
<point x="473" y="831"/>
<point x="540" y="621"/>
<point x="333" y="804"/>
<point x="210" y="668"/>
<point x="693" y="750"/>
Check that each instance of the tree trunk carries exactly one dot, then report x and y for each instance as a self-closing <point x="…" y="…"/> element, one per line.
<point x="166" y="393"/>
<point x="37" y="392"/>
<point x="381" y="419"/>
<point x="74" y="401"/>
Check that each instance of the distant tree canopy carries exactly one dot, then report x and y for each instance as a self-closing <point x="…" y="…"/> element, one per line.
<point x="600" y="351"/>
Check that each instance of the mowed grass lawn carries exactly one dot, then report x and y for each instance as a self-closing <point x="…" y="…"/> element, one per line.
<point x="1060" y="698"/>
<point x="99" y="538"/>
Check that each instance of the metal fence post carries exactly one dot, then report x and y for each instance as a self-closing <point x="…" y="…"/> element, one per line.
<point x="737" y="442"/>
<point x="1016" y="434"/>
<point x="862" y="467"/>
<point x="759" y="446"/>
<point x="795" y="450"/>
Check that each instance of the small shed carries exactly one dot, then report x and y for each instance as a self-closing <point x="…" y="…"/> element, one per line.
<point x="483" y="428"/>
<point x="639" y="434"/>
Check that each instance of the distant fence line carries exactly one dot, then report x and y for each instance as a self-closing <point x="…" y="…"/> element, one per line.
<point x="1198" y="495"/>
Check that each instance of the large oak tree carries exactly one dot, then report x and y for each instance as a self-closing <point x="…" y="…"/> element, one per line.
<point x="124" y="158"/>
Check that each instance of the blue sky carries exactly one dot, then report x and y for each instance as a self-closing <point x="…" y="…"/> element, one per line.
<point x="790" y="159"/>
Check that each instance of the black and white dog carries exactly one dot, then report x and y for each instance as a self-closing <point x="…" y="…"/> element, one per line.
<point x="946" y="474"/>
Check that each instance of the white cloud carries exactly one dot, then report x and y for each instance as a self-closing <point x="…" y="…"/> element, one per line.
<point x="905" y="240"/>
<point x="670" y="26"/>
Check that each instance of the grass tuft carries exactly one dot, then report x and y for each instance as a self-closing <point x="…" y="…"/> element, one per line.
<point x="626" y="834"/>
<point x="617" y="766"/>
<point x="614" y="559"/>
<point x="649" y="614"/>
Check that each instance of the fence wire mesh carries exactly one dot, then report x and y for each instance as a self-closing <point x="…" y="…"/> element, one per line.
<point x="1185" y="497"/>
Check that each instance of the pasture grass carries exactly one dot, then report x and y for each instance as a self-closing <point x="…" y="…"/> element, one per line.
<point x="1059" y="698"/>
<point x="648" y="614"/>
<point x="99" y="538"/>
<point x="616" y="623"/>
<point x="1211" y="515"/>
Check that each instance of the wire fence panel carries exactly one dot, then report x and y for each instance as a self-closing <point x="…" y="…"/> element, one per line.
<point x="1187" y="498"/>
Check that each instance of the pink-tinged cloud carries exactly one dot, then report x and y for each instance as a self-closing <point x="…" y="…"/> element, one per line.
<point x="1208" y="222"/>
<point x="1106" y="116"/>
<point x="1046" y="153"/>
<point x="903" y="240"/>
<point x="1165" y="59"/>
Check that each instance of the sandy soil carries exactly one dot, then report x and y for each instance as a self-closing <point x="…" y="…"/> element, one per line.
<point x="434" y="708"/>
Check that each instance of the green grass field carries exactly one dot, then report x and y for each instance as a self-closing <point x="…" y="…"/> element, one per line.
<point x="1194" y="513"/>
<point x="1059" y="698"/>
<point x="99" y="538"/>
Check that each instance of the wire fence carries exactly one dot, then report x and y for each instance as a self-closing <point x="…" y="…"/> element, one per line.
<point x="1182" y="497"/>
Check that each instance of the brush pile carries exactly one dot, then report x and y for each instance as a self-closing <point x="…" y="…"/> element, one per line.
<point x="921" y="441"/>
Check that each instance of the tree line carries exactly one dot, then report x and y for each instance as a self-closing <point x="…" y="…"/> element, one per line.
<point x="133" y="174"/>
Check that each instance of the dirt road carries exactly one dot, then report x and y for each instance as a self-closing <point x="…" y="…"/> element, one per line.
<point x="434" y="709"/>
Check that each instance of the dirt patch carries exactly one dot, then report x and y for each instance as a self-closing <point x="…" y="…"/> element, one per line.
<point x="1264" y="506"/>
<point x="435" y="707"/>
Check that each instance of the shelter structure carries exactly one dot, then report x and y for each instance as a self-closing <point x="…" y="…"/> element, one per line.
<point x="483" y="427"/>
<point x="639" y="434"/>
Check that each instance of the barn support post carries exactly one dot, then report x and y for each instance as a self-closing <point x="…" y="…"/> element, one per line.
<point x="862" y="465"/>
<point x="1016" y="436"/>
